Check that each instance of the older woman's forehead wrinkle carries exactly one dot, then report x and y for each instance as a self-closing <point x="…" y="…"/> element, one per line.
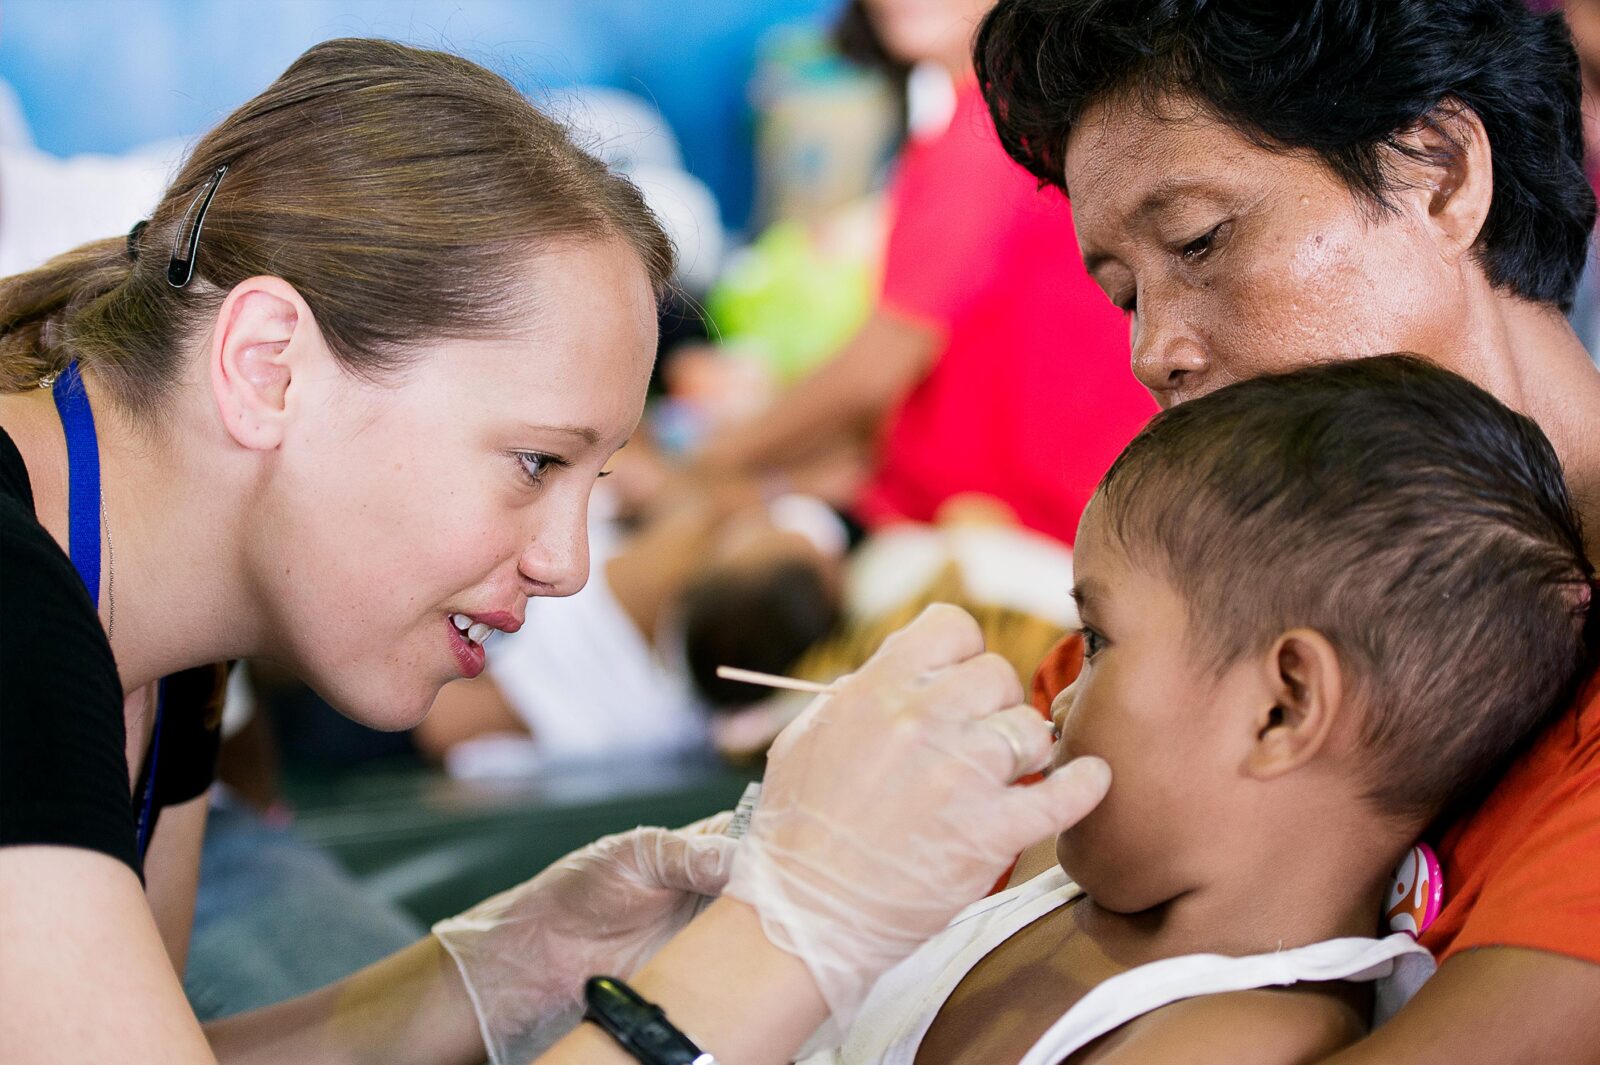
<point x="1104" y="144"/>
<point x="1131" y="165"/>
<point x="1099" y="151"/>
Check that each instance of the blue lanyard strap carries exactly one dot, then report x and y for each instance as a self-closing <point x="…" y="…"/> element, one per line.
<point x="83" y="477"/>
<point x="147" y="805"/>
<point x="83" y="540"/>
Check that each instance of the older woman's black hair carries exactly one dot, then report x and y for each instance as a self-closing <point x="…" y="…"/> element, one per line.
<point x="1401" y="511"/>
<point x="1341" y="78"/>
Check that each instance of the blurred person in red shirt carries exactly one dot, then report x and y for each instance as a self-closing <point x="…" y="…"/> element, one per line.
<point x="991" y="364"/>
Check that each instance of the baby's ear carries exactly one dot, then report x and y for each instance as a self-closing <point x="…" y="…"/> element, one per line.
<point x="1305" y="689"/>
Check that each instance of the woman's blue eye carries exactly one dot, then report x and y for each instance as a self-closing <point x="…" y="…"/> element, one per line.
<point x="536" y="464"/>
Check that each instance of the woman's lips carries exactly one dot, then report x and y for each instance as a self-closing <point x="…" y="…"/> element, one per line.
<point x="470" y="657"/>
<point x="503" y="620"/>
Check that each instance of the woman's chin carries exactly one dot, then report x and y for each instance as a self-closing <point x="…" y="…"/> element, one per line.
<point x="386" y="708"/>
<point x="400" y="715"/>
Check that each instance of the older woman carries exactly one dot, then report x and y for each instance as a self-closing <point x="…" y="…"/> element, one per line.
<point x="1261" y="186"/>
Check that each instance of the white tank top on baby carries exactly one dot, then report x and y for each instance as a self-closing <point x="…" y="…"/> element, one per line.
<point x="901" y="1008"/>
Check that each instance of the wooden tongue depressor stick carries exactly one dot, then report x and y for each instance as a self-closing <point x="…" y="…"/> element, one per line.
<point x="772" y="680"/>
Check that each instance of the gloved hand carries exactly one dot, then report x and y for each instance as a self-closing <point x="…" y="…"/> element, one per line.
<point x="887" y="806"/>
<point x="525" y="953"/>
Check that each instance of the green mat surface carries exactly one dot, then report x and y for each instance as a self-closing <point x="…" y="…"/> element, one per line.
<point x="436" y="846"/>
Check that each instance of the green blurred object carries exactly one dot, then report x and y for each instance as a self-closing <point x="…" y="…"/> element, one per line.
<point x="436" y="846"/>
<point x="791" y="299"/>
<point x="825" y="131"/>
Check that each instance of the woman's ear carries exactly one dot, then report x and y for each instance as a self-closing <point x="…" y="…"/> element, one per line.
<point x="1447" y="167"/>
<point x="263" y="337"/>
<point x="1306" y="686"/>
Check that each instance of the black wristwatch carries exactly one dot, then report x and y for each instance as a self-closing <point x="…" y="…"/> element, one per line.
<point x="639" y="1027"/>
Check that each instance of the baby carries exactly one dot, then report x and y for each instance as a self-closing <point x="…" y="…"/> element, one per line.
<point x="1318" y="610"/>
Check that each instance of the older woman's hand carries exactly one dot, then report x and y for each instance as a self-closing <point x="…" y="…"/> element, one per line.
<point x="888" y="805"/>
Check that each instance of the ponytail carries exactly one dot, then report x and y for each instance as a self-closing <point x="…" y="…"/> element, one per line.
<point x="37" y="307"/>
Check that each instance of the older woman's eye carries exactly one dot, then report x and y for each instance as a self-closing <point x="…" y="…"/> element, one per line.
<point x="1198" y="248"/>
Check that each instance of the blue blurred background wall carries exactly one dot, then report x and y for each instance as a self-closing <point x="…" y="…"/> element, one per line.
<point x="108" y="75"/>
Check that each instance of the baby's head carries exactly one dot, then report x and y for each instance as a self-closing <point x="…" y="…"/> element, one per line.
<point x="768" y="588"/>
<point x="1315" y="605"/>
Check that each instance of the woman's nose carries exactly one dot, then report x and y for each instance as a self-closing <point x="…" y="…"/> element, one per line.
<point x="1167" y="358"/>
<point x="556" y="557"/>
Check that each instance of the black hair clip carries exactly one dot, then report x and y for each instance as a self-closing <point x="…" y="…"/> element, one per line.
<point x="180" y="270"/>
<point x="134" y="234"/>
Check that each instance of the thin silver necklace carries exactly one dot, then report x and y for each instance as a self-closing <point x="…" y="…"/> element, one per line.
<point x="111" y="573"/>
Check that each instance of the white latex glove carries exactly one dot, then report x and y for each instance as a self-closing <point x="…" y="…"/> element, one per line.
<point x="605" y="909"/>
<point x="887" y="806"/>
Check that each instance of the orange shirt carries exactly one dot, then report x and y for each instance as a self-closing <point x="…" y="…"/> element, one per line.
<point x="1523" y="869"/>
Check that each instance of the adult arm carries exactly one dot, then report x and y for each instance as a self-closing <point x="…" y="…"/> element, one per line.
<point x="724" y="984"/>
<point x="84" y="975"/>
<point x="107" y="965"/>
<point x="1493" y="1006"/>
<point x="720" y="979"/>
<point x="886" y="808"/>
<point x="408" y="1009"/>
<point x="848" y="395"/>
<point x="172" y="874"/>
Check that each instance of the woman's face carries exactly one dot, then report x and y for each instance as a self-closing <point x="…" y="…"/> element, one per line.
<point x="1233" y="261"/>
<point x="457" y="490"/>
<point x="938" y="30"/>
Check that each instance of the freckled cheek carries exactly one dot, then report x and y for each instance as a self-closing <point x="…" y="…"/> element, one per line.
<point x="1287" y="308"/>
<point x="463" y="540"/>
<point x="1364" y="291"/>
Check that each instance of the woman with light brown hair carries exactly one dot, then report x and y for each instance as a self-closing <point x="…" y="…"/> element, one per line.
<point x="339" y="403"/>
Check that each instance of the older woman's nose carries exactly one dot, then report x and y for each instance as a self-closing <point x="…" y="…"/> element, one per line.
<point x="1167" y="359"/>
